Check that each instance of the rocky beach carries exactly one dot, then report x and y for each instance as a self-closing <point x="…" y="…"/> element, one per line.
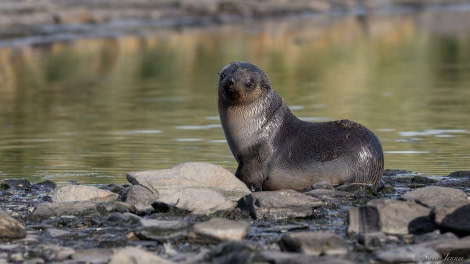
<point x="200" y="213"/>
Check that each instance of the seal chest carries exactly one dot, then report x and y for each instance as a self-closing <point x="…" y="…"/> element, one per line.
<point x="276" y="150"/>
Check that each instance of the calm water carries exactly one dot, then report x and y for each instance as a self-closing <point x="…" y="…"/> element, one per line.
<point x="94" y="109"/>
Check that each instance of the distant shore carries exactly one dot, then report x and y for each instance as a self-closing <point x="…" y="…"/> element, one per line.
<point x="45" y="21"/>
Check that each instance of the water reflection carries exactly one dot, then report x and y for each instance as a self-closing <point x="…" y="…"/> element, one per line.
<point x="94" y="109"/>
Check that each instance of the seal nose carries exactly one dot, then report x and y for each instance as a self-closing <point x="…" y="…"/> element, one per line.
<point x="230" y="81"/>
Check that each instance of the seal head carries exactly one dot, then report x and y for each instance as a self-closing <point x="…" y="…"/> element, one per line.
<point x="276" y="150"/>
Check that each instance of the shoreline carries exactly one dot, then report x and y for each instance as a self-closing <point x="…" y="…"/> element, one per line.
<point x="42" y="22"/>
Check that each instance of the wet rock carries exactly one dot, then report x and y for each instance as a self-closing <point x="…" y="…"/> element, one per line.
<point x="218" y="230"/>
<point x="55" y="233"/>
<point x="161" y="230"/>
<point x="18" y="183"/>
<point x="129" y="255"/>
<point x="327" y="193"/>
<point x="359" y="189"/>
<point x="190" y="175"/>
<point x="453" y="217"/>
<point x="52" y="252"/>
<point x="4" y="185"/>
<point x="46" y="185"/>
<point x="314" y="243"/>
<point x="408" y="254"/>
<point x="391" y="217"/>
<point x="458" y="174"/>
<point x="232" y="252"/>
<point x="10" y="228"/>
<point x="372" y="241"/>
<point x="450" y="247"/>
<point x="79" y="208"/>
<point x="141" y="198"/>
<point x="276" y="257"/>
<point x="198" y="200"/>
<point x="94" y="255"/>
<point x="279" y="204"/>
<point x="71" y="193"/>
<point x="432" y="196"/>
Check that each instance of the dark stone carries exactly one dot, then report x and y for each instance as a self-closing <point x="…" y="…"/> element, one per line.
<point x="457" y="222"/>
<point x="457" y="174"/>
<point x="18" y="183"/>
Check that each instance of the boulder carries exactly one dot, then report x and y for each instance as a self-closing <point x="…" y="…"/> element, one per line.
<point x="408" y="254"/>
<point x="453" y="217"/>
<point x="433" y="196"/>
<point x="218" y="230"/>
<point x="141" y="198"/>
<point x="161" y="230"/>
<point x="71" y="193"/>
<point x="279" y="204"/>
<point x="314" y="243"/>
<point x="391" y="217"/>
<point x="190" y="175"/>
<point x="10" y="228"/>
<point x="80" y="208"/>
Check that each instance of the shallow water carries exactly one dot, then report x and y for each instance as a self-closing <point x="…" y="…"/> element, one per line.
<point x="93" y="109"/>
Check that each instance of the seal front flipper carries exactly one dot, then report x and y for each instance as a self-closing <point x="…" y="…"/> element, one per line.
<point x="252" y="169"/>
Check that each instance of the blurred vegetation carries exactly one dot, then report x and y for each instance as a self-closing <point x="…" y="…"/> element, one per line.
<point x="104" y="106"/>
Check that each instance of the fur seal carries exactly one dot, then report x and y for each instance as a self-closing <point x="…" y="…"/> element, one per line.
<point x="276" y="150"/>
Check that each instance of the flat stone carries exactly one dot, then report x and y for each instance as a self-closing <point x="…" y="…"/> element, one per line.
<point x="279" y="204"/>
<point x="450" y="246"/>
<point x="80" y="208"/>
<point x="453" y="217"/>
<point x="432" y="196"/>
<point x="391" y="217"/>
<point x="72" y="193"/>
<point x="198" y="200"/>
<point x="53" y="252"/>
<point x="10" y="228"/>
<point x="190" y="175"/>
<point x="141" y="198"/>
<point x="219" y="229"/>
<point x="161" y="230"/>
<point x="93" y="255"/>
<point x="135" y="255"/>
<point x="314" y="243"/>
<point x="54" y="232"/>
<point x="277" y="257"/>
<point x="408" y="254"/>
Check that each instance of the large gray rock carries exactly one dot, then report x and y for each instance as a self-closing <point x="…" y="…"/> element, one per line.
<point x="80" y="208"/>
<point x="433" y="196"/>
<point x="391" y="217"/>
<point x="141" y="198"/>
<point x="72" y="193"/>
<point x="200" y="188"/>
<point x="314" y="243"/>
<point x="408" y="254"/>
<point x="279" y="204"/>
<point x="190" y="175"/>
<point x="161" y="230"/>
<point x="10" y="228"/>
<point x="451" y="247"/>
<point x="219" y="229"/>
<point x="453" y="217"/>
<point x="134" y="255"/>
